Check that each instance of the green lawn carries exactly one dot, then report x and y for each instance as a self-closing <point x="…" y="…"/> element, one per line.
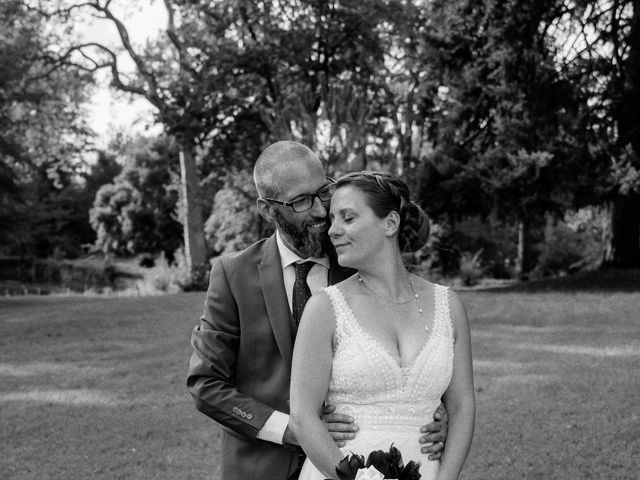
<point x="94" y="387"/>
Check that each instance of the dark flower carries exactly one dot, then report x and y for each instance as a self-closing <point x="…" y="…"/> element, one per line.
<point x="395" y="462"/>
<point x="410" y="471"/>
<point x="380" y="460"/>
<point x="388" y="464"/>
<point x="349" y="466"/>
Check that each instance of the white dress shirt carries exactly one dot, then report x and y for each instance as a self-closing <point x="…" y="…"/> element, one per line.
<point x="318" y="278"/>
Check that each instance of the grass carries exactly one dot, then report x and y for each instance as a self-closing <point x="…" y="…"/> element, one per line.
<point x="93" y="388"/>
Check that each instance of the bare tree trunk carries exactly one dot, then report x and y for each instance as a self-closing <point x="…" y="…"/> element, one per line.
<point x="194" y="243"/>
<point x="623" y="250"/>
<point x="524" y="248"/>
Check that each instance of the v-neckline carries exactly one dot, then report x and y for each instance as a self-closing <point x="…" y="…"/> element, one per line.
<point x="381" y="348"/>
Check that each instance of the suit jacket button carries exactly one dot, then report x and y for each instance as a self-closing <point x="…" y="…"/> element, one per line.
<point x="236" y="410"/>
<point x="249" y="416"/>
<point x="243" y="414"/>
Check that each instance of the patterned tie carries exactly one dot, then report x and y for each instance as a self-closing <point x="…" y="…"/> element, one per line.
<point x="301" y="290"/>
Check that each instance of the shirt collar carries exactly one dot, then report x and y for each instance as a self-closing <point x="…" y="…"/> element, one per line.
<point x="288" y="257"/>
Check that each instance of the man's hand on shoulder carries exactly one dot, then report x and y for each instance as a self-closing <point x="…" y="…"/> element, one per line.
<point x="435" y="433"/>
<point x="341" y="427"/>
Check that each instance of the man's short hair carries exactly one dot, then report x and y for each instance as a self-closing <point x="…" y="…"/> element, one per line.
<point x="274" y="157"/>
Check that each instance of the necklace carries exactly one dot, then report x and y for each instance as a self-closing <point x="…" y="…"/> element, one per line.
<point x="416" y="297"/>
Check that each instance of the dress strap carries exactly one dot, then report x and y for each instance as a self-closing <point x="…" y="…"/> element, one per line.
<point x="442" y="321"/>
<point x="340" y="310"/>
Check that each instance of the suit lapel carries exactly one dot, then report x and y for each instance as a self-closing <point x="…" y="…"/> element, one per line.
<point x="275" y="298"/>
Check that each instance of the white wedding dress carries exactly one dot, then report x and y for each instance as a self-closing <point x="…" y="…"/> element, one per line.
<point x="388" y="402"/>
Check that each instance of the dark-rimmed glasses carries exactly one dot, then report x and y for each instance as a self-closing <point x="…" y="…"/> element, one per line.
<point x="305" y="202"/>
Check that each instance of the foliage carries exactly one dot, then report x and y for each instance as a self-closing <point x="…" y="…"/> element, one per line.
<point x="234" y="223"/>
<point x="503" y="119"/>
<point x="136" y="213"/>
<point x="471" y="270"/>
<point x="575" y="243"/>
<point x="42" y="141"/>
<point x="604" y="60"/>
<point x="162" y="278"/>
<point x="510" y="110"/>
<point x="459" y="243"/>
<point x="560" y="251"/>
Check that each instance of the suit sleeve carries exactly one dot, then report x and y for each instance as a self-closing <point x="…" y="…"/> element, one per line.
<point x="215" y="343"/>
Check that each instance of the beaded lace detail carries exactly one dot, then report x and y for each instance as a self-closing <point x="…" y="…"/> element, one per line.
<point x="369" y="384"/>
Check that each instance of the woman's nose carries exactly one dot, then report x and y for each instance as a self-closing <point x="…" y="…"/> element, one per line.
<point x="333" y="229"/>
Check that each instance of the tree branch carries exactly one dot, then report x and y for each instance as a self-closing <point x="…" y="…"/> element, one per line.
<point x="152" y="93"/>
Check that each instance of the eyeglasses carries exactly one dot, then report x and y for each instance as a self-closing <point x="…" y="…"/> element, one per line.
<point x="305" y="202"/>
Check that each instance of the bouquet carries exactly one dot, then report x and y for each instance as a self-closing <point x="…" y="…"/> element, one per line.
<point x="379" y="466"/>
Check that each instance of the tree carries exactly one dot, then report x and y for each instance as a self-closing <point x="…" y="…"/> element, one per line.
<point x="605" y="60"/>
<point x="318" y="65"/>
<point x="503" y="119"/>
<point x="305" y="70"/>
<point x="137" y="211"/>
<point x="234" y="223"/>
<point x="185" y="75"/>
<point x="42" y="137"/>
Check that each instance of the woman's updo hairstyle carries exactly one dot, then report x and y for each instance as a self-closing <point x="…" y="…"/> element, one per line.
<point x="386" y="192"/>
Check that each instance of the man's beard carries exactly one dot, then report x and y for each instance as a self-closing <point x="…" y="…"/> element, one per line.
<point x="305" y="243"/>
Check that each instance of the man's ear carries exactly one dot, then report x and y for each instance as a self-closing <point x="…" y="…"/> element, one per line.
<point x="265" y="209"/>
<point x="392" y="223"/>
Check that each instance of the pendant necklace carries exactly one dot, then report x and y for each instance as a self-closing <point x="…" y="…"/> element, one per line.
<point x="416" y="297"/>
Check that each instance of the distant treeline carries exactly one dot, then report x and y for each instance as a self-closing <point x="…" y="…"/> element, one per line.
<point x="516" y="123"/>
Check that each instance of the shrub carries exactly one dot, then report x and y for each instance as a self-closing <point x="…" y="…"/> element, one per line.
<point x="457" y="245"/>
<point x="471" y="271"/>
<point x="574" y="244"/>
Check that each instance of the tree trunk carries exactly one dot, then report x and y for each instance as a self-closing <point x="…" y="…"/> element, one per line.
<point x="193" y="224"/>
<point x="524" y="248"/>
<point x="623" y="250"/>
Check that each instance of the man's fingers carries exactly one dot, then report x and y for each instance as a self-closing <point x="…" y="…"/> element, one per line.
<point x="433" y="438"/>
<point x="431" y="428"/>
<point x="341" y="427"/>
<point x="435" y="456"/>
<point x="337" y="418"/>
<point x="327" y="409"/>
<point x="342" y="436"/>
<point x="434" y="449"/>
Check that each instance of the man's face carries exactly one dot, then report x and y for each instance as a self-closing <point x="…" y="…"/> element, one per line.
<point x="303" y="232"/>
<point x="306" y="239"/>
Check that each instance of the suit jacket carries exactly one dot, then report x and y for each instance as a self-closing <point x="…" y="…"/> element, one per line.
<point x="240" y="368"/>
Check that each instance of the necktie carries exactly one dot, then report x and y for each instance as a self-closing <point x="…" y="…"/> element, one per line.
<point x="301" y="290"/>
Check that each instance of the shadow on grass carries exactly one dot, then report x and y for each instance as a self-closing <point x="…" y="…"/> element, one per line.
<point x="606" y="280"/>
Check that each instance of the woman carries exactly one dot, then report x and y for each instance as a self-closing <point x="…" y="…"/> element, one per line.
<point x="384" y="346"/>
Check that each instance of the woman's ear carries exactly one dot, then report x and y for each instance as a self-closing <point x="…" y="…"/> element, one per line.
<point x="392" y="223"/>
<point x="265" y="209"/>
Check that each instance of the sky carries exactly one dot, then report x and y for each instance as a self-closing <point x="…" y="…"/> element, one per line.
<point x="109" y="110"/>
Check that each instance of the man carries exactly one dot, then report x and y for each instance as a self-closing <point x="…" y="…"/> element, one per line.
<point x="241" y="364"/>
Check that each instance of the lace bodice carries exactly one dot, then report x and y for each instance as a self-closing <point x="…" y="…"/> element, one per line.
<point x="368" y="384"/>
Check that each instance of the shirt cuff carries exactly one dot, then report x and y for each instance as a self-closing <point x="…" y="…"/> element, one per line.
<point x="274" y="428"/>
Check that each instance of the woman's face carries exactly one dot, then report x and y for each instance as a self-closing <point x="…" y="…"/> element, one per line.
<point x="356" y="232"/>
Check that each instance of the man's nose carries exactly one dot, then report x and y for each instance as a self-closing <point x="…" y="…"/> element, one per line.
<point x="318" y="210"/>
